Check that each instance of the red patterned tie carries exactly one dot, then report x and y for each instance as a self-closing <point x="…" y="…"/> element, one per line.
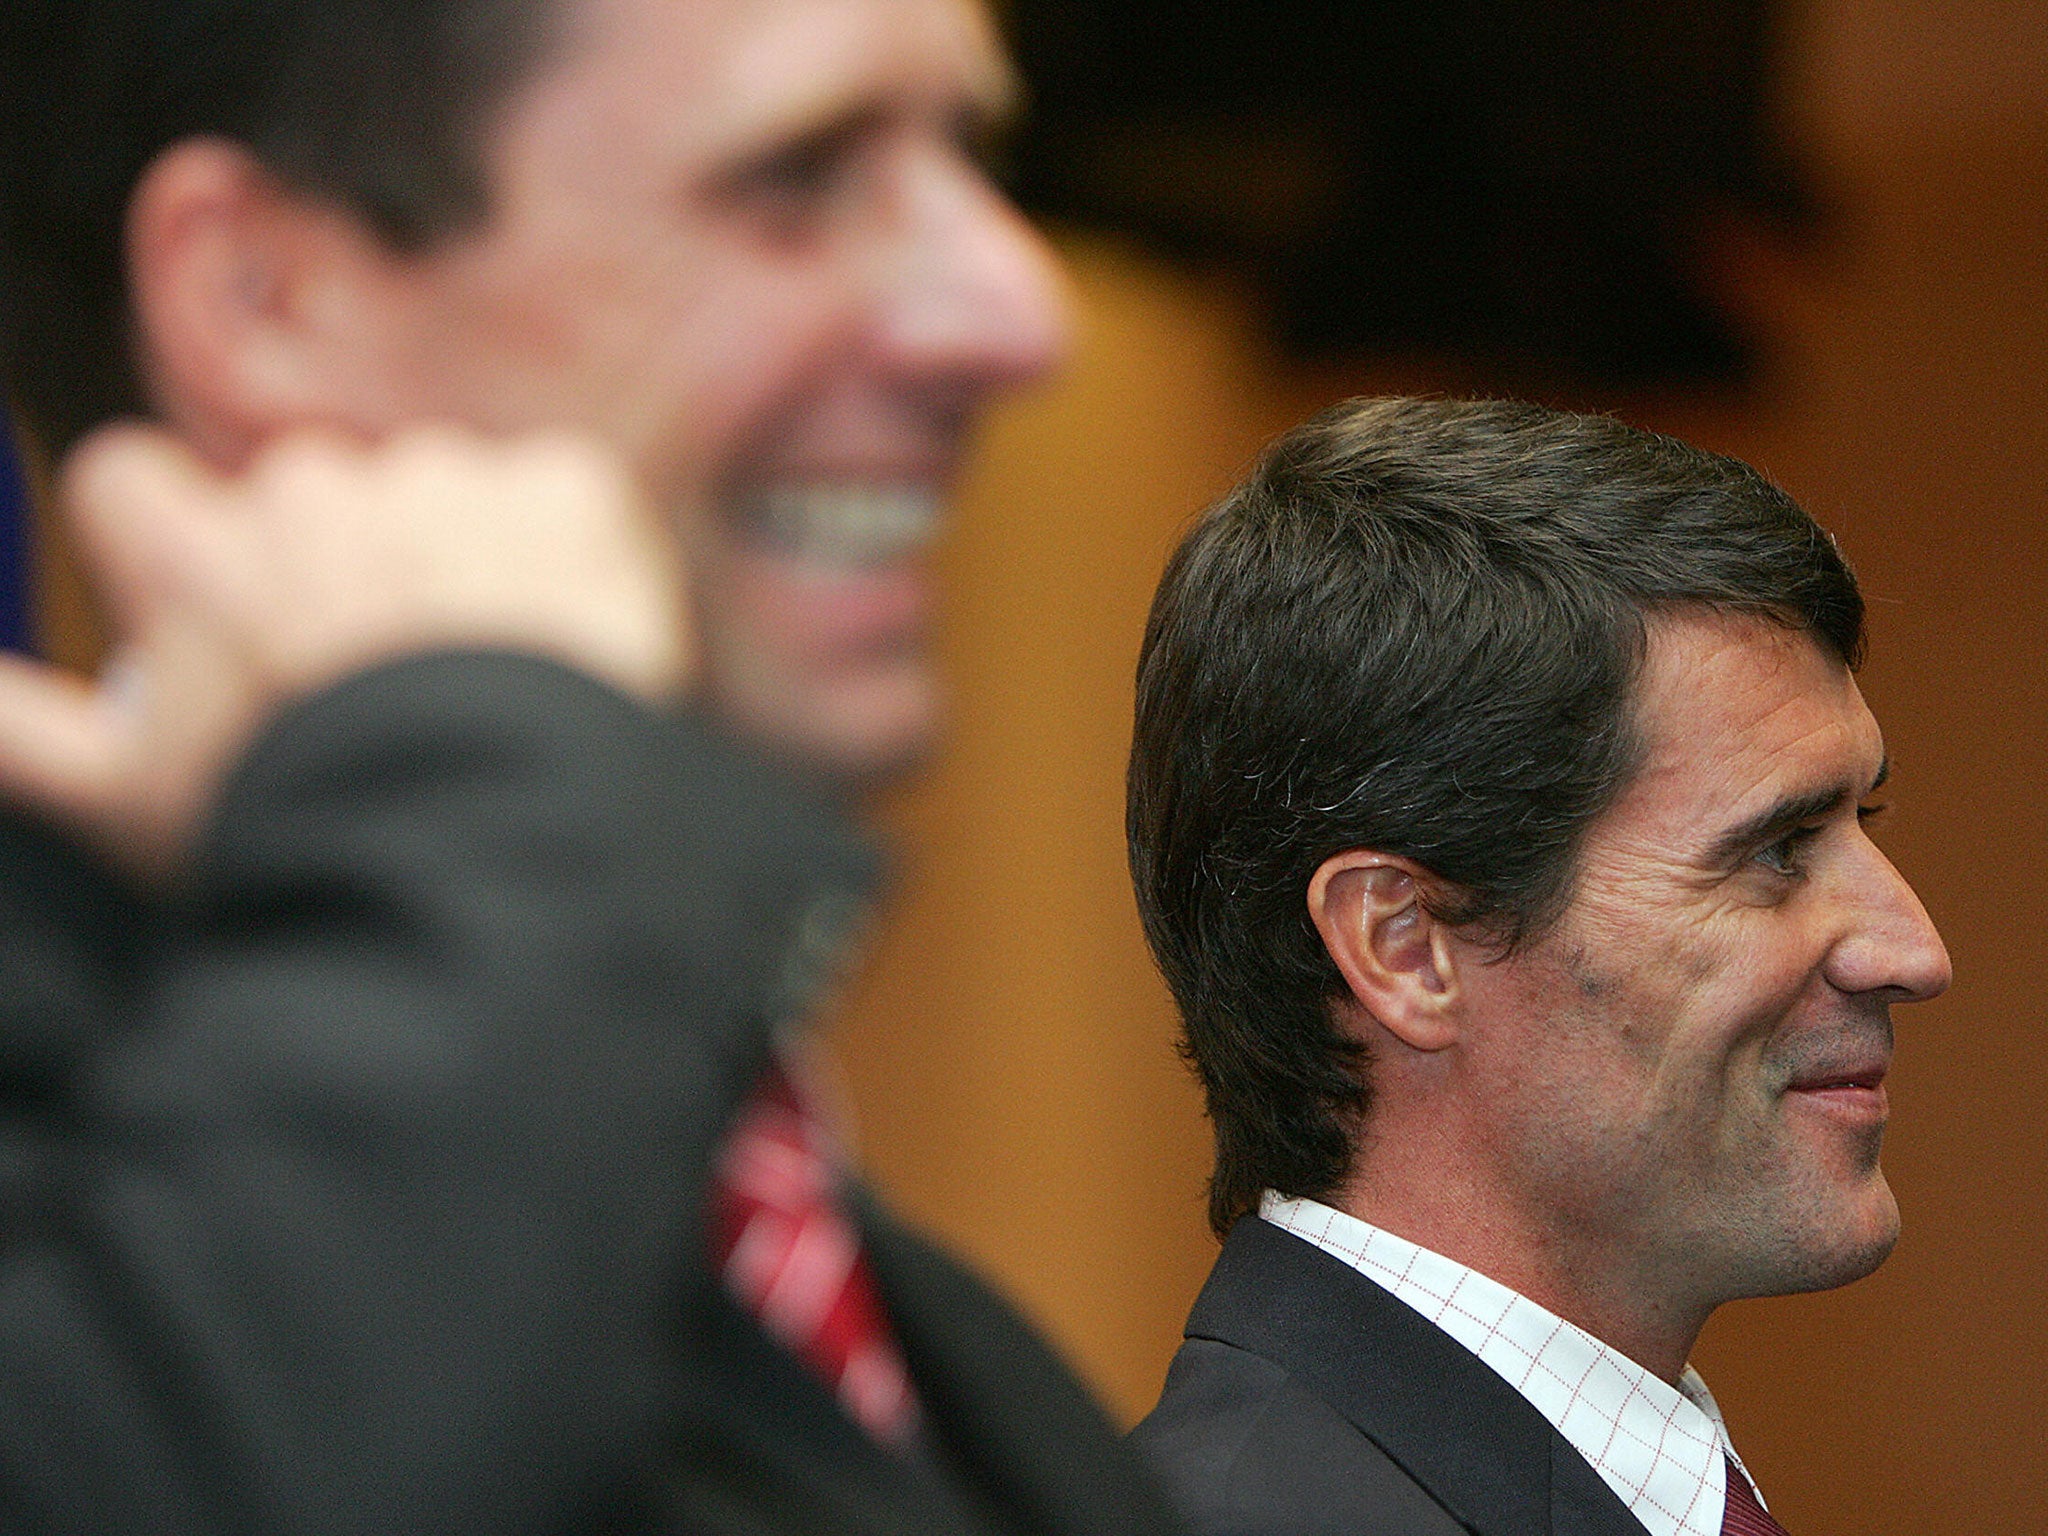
<point x="1741" y="1514"/>
<point x="792" y="1258"/>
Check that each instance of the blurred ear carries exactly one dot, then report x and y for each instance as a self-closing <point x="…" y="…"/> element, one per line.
<point x="1396" y="959"/>
<point x="257" y="309"/>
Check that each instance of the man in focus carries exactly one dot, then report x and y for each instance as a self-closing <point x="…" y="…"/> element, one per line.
<point x="1498" y="815"/>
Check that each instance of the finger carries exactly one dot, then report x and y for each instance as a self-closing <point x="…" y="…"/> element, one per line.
<point x="614" y="534"/>
<point x="135" y="497"/>
<point x="62" y="741"/>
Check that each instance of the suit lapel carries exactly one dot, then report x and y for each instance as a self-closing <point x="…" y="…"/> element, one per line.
<point x="1581" y="1502"/>
<point x="1458" y="1429"/>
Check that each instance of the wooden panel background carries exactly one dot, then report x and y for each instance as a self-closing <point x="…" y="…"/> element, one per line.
<point x="1009" y="1049"/>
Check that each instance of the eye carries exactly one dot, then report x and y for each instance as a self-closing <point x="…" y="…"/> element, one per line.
<point x="794" y="188"/>
<point x="1786" y="855"/>
<point x="803" y="171"/>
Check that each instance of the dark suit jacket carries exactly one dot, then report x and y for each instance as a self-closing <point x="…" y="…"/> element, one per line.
<point x="359" y="1185"/>
<point x="1306" y="1401"/>
<point x="1015" y="1444"/>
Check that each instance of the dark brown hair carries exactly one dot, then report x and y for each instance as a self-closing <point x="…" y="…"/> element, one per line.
<point x="378" y="105"/>
<point x="1416" y="628"/>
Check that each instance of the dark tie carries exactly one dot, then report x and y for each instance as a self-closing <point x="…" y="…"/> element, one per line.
<point x="1741" y="1515"/>
<point x="792" y="1258"/>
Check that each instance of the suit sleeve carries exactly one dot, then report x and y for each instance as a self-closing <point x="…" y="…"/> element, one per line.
<point x="373" y="1200"/>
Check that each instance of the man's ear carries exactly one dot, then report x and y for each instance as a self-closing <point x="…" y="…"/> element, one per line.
<point x="255" y="306"/>
<point x="1396" y="959"/>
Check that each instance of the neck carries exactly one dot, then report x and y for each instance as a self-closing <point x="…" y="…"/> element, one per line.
<point x="1577" y="1276"/>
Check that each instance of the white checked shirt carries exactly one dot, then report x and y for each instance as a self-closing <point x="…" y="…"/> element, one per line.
<point x="1658" y="1447"/>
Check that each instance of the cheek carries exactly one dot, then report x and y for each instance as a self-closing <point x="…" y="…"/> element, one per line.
<point x="676" y="352"/>
<point x="724" y="362"/>
<point x="1652" y="1057"/>
<point x="1749" y="981"/>
<point x="518" y="343"/>
<point x="1684" y="986"/>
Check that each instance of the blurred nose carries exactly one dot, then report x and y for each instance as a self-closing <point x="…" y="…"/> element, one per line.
<point x="1890" y="944"/>
<point x="974" y="295"/>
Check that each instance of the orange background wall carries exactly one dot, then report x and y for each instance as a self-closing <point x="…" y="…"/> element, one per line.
<point x="1010" y="1048"/>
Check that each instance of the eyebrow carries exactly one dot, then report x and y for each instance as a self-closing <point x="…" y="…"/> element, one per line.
<point x="983" y="114"/>
<point x="983" y="100"/>
<point x="1777" y="819"/>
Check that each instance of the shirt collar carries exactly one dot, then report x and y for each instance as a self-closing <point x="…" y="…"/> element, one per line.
<point x="1659" y="1447"/>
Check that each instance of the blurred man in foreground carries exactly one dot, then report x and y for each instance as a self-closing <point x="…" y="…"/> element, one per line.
<point x="372" y="1169"/>
<point x="1497" y="813"/>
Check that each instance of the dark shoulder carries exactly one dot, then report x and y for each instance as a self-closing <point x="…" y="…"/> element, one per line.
<point x="1246" y="1450"/>
<point x="1007" y="1408"/>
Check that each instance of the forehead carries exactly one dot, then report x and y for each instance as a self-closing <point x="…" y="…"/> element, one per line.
<point x="704" y="74"/>
<point x="1737" y="714"/>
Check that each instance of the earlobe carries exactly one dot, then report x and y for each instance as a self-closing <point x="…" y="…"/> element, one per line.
<point x="240" y="299"/>
<point x="1394" y="956"/>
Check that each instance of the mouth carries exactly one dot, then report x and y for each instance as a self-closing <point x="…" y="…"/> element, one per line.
<point x="1855" y="1092"/>
<point x="841" y="526"/>
<point x="1865" y="1078"/>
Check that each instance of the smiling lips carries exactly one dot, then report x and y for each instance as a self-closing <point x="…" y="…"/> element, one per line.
<point x="843" y="527"/>
<point x="1857" y="1092"/>
<point x="1870" y="1077"/>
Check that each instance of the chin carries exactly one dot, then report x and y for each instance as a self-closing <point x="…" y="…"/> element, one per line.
<point x="854" y="738"/>
<point x="855" y="766"/>
<point x="1874" y="1238"/>
<point x="1832" y="1247"/>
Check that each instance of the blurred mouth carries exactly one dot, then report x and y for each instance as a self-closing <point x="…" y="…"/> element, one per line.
<point x="850" y="527"/>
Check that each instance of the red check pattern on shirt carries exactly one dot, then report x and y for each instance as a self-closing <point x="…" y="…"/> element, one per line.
<point x="1660" y="1448"/>
<point x="792" y="1257"/>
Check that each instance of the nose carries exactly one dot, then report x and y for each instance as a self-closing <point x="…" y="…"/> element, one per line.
<point x="972" y="295"/>
<point x="1890" y="944"/>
